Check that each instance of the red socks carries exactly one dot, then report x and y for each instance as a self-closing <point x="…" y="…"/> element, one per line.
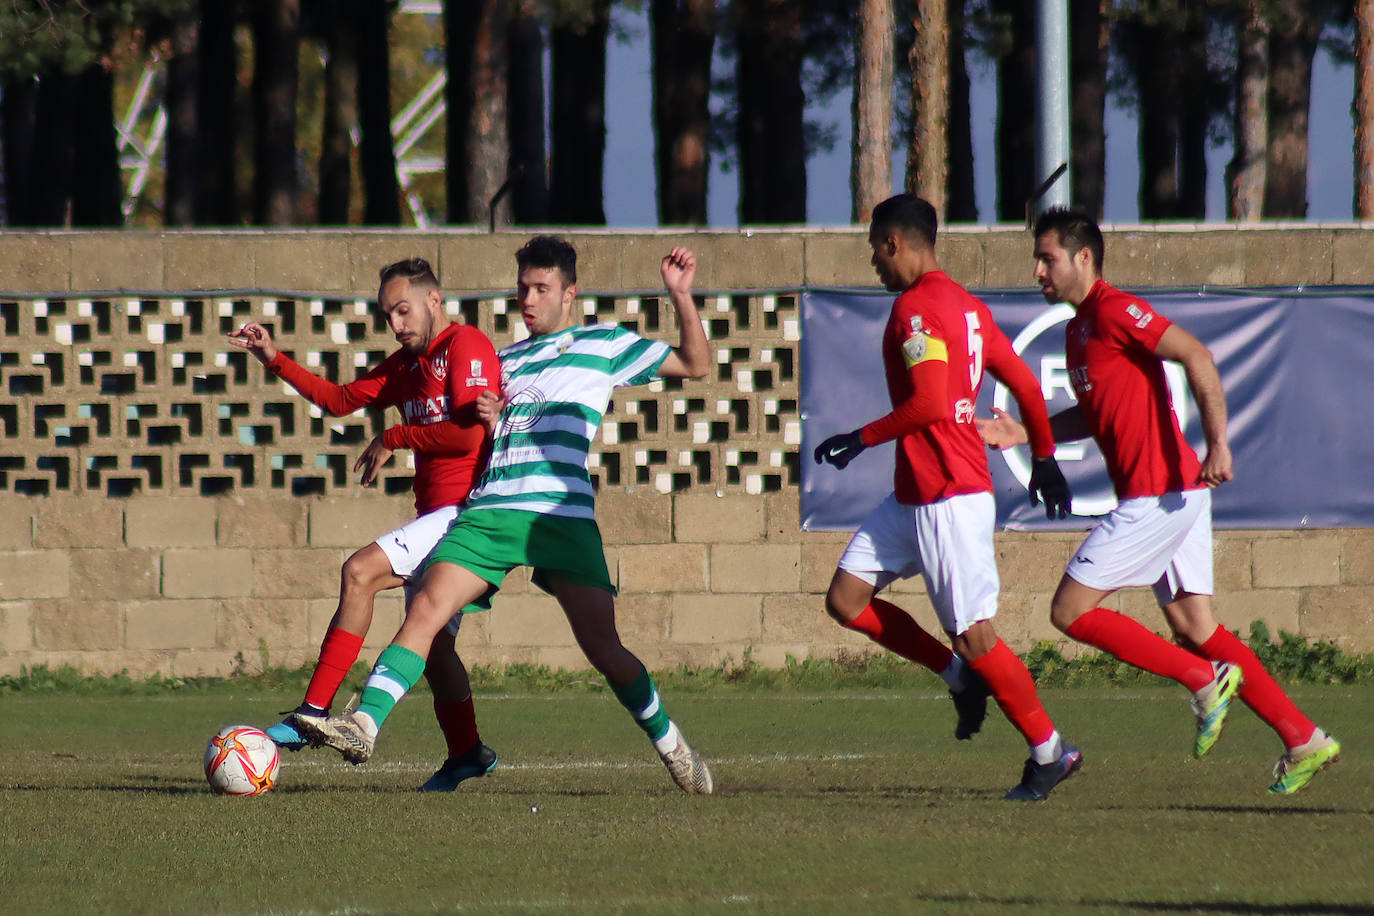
<point x="458" y="722"/>
<point x="1134" y="644"/>
<point x="1012" y="687"/>
<point x="338" y="652"/>
<point x="894" y="629"/>
<point x="1259" y="690"/>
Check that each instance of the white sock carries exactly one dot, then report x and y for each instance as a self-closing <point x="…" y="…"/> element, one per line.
<point x="669" y="740"/>
<point x="1049" y="750"/>
<point x="953" y="675"/>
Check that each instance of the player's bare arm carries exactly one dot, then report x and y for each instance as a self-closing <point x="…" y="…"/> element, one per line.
<point x="489" y="405"/>
<point x="1204" y="380"/>
<point x="692" y="357"/>
<point x="371" y="460"/>
<point x="257" y="340"/>
<point x="1003" y="431"/>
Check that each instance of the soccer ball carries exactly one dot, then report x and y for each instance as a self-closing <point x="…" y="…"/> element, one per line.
<point x="241" y="760"/>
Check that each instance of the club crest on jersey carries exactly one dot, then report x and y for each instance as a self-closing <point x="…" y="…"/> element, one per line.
<point x="963" y="411"/>
<point x="916" y="324"/>
<point x="439" y="368"/>
<point x="1141" y="317"/>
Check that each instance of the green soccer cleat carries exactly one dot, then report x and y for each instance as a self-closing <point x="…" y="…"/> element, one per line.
<point x="1293" y="771"/>
<point x="1212" y="703"/>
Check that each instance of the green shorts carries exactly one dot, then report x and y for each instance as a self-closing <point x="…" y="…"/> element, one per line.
<point x="492" y="542"/>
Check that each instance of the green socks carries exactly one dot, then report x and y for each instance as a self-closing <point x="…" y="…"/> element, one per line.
<point x="641" y="699"/>
<point x="397" y="670"/>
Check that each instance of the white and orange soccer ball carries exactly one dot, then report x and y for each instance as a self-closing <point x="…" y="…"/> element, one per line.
<point x="241" y="760"/>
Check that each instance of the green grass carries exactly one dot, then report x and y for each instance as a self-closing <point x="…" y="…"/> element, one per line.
<point x="829" y="800"/>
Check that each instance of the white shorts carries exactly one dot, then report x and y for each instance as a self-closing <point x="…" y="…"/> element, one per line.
<point x="949" y="543"/>
<point x="1161" y="541"/>
<point x="410" y="545"/>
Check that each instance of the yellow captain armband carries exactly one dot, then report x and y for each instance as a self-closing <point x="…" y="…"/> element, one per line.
<point x="918" y="348"/>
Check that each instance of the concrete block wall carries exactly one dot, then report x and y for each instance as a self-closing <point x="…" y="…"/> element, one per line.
<point x="173" y="581"/>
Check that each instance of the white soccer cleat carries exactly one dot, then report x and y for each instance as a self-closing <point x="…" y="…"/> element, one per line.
<point x="688" y="770"/>
<point x="345" y="734"/>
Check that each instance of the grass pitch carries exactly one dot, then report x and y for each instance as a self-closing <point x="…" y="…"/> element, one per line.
<point x="832" y="801"/>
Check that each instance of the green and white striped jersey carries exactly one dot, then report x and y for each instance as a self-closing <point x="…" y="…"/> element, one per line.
<point x="557" y="387"/>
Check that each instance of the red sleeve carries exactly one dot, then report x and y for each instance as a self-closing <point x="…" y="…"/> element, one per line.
<point x="1003" y="364"/>
<point x="335" y="400"/>
<point x="473" y="368"/>
<point x="928" y="404"/>
<point x="1132" y="323"/>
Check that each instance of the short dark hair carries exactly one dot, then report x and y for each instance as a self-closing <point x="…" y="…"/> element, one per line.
<point x="549" y="251"/>
<point x="416" y="270"/>
<point x="908" y="213"/>
<point x="1077" y="230"/>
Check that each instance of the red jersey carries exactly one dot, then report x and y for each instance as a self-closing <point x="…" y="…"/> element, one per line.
<point x="1124" y="395"/>
<point x="436" y="393"/>
<point x="939" y="451"/>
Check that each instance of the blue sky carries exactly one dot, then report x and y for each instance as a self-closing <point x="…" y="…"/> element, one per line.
<point x="629" y="185"/>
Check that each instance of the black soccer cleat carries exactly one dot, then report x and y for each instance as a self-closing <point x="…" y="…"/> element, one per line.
<point x="971" y="704"/>
<point x="1039" y="779"/>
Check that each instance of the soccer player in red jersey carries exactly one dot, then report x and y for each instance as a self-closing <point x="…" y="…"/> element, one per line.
<point x="1160" y="533"/>
<point x="434" y="379"/>
<point x="939" y="520"/>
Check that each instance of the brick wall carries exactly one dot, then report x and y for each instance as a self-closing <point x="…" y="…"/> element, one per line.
<point x="112" y="567"/>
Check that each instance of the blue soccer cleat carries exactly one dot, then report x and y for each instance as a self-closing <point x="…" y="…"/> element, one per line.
<point x="479" y="761"/>
<point x="1039" y="779"/>
<point x="286" y="735"/>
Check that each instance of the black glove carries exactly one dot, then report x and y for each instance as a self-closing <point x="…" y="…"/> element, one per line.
<point x="1047" y="482"/>
<point x="840" y="450"/>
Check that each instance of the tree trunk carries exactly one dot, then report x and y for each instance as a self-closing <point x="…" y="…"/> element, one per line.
<point x="529" y="158"/>
<point x="53" y="157"/>
<point x="963" y="203"/>
<point x="870" y="176"/>
<point x="1292" y="45"/>
<point x="477" y="150"/>
<point x="684" y="32"/>
<point x="18" y="120"/>
<point x="217" y="63"/>
<point x="97" y="188"/>
<point x="1156" y="61"/>
<point x="183" y="86"/>
<point x="1364" y="109"/>
<point x="579" y="117"/>
<point x="276" y="37"/>
<point x="1088" y="41"/>
<point x="1245" y="172"/>
<point x="340" y="114"/>
<point x="1016" y="179"/>
<point x="770" y="132"/>
<point x="1193" y="118"/>
<point x="376" y="150"/>
<point x="927" y="161"/>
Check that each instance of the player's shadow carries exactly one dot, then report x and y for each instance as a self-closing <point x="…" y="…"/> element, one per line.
<point x="1273" y="809"/>
<point x="1162" y="906"/>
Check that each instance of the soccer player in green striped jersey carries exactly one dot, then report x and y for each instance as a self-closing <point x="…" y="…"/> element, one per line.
<point x="534" y="504"/>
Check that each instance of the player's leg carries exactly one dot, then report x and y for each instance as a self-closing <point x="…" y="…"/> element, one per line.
<point x="954" y="540"/>
<point x="590" y="610"/>
<point x="453" y="709"/>
<point x="1307" y="748"/>
<point x="1134" y="546"/>
<point x="364" y="574"/>
<point x="882" y="550"/>
<point x="445" y="589"/>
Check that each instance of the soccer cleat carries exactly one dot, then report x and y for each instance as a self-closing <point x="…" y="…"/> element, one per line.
<point x="688" y="770"/>
<point x="479" y="761"/>
<point x="1293" y="772"/>
<point x="285" y="733"/>
<point x="1211" y="711"/>
<point x="971" y="704"/>
<point x="344" y="734"/>
<point x="1039" y="779"/>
